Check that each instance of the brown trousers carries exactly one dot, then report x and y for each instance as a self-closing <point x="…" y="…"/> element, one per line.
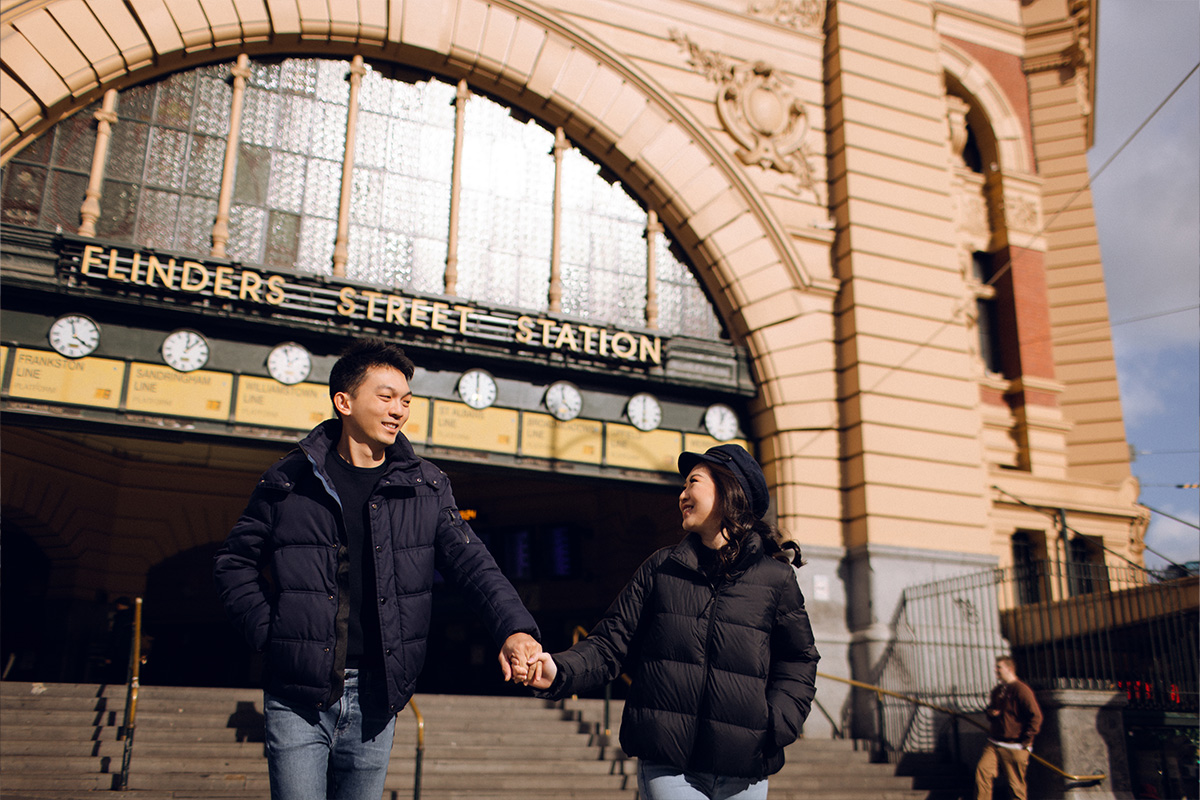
<point x="1013" y="762"/>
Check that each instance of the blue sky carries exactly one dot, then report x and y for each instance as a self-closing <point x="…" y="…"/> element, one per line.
<point x="1147" y="204"/>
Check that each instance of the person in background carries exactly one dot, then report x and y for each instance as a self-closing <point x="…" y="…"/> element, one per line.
<point x="329" y="572"/>
<point x="1015" y="719"/>
<point x="714" y="635"/>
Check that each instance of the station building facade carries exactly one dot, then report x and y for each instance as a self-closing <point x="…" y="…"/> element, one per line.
<point x="854" y="236"/>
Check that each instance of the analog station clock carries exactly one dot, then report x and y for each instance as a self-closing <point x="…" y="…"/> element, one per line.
<point x="185" y="350"/>
<point x="644" y="411"/>
<point x="721" y="422"/>
<point x="477" y="388"/>
<point x="74" y="335"/>
<point x="563" y="400"/>
<point x="289" y="363"/>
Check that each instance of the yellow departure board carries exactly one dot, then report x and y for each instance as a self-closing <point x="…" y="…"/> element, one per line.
<point x="699" y="442"/>
<point x="417" y="426"/>
<point x="626" y="446"/>
<point x="42" y="375"/>
<point x="542" y="436"/>
<point x="459" y="425"/>
<point x="265" y="401"/>
<point x="156" y="389"/>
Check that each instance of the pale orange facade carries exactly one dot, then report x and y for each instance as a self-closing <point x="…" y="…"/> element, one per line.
<point x="859" y="185"/>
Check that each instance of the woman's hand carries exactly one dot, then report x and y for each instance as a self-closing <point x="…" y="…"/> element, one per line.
<point x="542" y="670"/>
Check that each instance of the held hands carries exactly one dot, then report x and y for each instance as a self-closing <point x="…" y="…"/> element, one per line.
<point x="519" y="659"/>
<point x="545" y="668"/>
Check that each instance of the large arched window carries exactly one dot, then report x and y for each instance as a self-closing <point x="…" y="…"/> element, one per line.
<point x="609" y="261"/>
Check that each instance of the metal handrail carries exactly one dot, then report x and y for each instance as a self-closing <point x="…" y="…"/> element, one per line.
<point x="129" y="725"/>
<point x="419" y="757"/>
<point x="879" y="690"/>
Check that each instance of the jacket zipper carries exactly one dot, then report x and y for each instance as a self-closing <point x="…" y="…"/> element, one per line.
<point x="711" y="607"/>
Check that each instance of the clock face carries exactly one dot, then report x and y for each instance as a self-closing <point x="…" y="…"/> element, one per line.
<point x="185" y="350"/>
<point x="564" y="400"/>
<point x="644" y="411"/>
<point x="477" y="388"/>
<point x="289" y="363"/>
<point x="74" y="335"/>
<point x="721" y="422"/>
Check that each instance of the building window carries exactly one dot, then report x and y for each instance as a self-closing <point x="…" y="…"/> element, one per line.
<point x="164" y="167"/>
<point x="1086" y="571"/>
<point x="1029" y="566"/>
<point x="44" y="184"/>
<point x="165" y="162"/>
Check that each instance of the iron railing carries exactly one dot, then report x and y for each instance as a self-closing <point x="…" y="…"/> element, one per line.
<point x="1068" y="626"/>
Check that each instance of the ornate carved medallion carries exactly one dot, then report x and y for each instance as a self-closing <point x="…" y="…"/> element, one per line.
<point x="759" y="110"/>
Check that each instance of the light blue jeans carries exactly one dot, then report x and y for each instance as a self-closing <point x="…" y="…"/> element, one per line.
<point x="335" y="754"/>
<point x="664" y="782"/>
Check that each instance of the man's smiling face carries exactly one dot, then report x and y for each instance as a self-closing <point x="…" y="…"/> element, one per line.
<point x="376" y="410"/>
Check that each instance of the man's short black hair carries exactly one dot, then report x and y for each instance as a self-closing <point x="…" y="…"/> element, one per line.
<point x="350" y="370"/>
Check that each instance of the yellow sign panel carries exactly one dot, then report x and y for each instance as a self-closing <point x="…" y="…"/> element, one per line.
<point x="698" y="443"/>
<point x="156" y="389"/>
<point x="657" y="451"/>
<point x="459" y="425"/>
<point x="263" y="401"/>
<point x="542" y="436"/>
<point x="41" y="375"/>
<point x="3" y="359"/>
<point x="417" y="426"/>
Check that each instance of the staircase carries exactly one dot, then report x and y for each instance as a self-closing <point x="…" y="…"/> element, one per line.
<point x="60" y="741"/>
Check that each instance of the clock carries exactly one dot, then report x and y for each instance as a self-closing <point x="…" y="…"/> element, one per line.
<point x="74" y="335"/>
<point x="185" y="350"/>
<point x="477" y="388"/>
<point x="644" y="411"/>
<point x="564" y="400"/>
<point x="721" y="422"/>
<point x="289" y="363"/>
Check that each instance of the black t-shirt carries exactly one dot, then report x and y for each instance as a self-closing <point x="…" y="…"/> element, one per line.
<point x="354" y="486"/>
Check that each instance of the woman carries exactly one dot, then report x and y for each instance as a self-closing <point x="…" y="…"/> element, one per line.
<point x="714" y="634"/>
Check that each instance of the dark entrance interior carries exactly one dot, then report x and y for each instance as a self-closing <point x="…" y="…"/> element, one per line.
<point x="567" y="542"/>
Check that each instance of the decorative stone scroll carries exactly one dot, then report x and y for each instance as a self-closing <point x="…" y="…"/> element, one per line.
<point x="799" y="14"/>
<point x="759" y="110"/>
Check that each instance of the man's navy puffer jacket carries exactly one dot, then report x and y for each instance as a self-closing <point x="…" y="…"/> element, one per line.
<point x="722" y="672"/>
<point x="291" y="528"/>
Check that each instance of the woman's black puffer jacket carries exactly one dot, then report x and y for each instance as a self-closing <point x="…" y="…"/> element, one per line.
<point x="722" y="673"/>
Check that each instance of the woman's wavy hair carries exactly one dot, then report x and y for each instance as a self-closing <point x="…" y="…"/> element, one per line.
<point x="739" y="522"/>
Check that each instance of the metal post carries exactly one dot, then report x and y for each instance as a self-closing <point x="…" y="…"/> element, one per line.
<point x="129" y="725"/>
<point x="420" y="756"/>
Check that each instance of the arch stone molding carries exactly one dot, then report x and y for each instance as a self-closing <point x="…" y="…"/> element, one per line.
<point x="60" y="55"/>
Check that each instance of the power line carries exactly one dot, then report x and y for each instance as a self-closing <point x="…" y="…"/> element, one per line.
<point x="1008" y="263"/>
<point x="1171" y="516"/>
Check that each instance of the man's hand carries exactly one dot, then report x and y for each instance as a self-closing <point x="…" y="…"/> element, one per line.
<point x="515" y="656"/>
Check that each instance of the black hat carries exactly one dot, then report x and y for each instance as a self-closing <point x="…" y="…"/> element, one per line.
<point x="743" y="466"/>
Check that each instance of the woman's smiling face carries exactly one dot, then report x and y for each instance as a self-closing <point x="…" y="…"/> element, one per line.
<point x="698" y="504"/>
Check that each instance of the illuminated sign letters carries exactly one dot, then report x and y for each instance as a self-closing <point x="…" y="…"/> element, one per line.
<point x="118" y="269"/>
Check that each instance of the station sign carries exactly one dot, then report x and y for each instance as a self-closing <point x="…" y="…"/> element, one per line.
<point x="322" y="299"/>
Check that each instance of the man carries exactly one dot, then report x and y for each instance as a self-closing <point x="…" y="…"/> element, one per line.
<point x="329" y="573"/>
<point x="1015" y="719"/>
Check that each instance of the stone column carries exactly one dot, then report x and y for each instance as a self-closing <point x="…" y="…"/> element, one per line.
<point x="220" y="229"/>
<point x="654" y="229"/>
<point x="460" y="119"/>
<point x="1084" y="734"/>
<point x="341" y="247"/>
<point x="106" y="117"/>
<point x="561" y="145"/>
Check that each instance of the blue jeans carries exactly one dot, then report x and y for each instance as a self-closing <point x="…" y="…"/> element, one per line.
<point x="664" y="782"/>
<point x="335" y="754"/>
